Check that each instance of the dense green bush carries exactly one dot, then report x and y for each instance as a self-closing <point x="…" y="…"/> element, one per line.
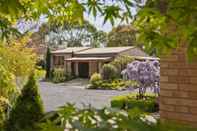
<point x="95" y="80"/>
<point x="39" y="73"/>
<point x="28" y="108"/>
<point x="4" y="104"/>
<point x="109" y="72"/>
<point x="121" y="62"/>
<point x="41" y="63"/>
<point x="58" y="75"/>
<point x="148" y="104"/>
<point x="131" y="83"/>
<point x="116" y="84"/>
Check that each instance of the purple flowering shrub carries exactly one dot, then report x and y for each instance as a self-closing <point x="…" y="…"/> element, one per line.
<point x="146" y="73"/>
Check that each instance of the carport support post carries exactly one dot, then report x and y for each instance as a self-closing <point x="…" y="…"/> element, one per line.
<point x="100" y="66"/>
<point x="76" y="69"/>
<point x="90" y="68"/>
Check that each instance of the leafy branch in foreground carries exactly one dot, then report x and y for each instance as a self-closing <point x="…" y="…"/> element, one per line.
<point x="60" y="11"/>
<point x="167" y="24"/>
<point x="69" y="118"/>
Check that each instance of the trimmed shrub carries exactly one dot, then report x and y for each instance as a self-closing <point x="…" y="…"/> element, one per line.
<point x="113" y="85"/>
<point x="58" y="75"/>
<point x="109" y="72"/>
<point x="116" y="84"/>
<point x="148" y="104"/>
<point x="28" y="109"/>
<point x="95" y="80"/>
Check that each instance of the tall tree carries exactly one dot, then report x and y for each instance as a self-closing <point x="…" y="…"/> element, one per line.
<point x="48" y="63"/>
<point x="75" y="35"/>
<point x="123" y="35"/>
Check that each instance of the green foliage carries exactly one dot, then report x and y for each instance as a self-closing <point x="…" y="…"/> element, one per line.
<point x="4" y="104"/>
<point x="58" y="75"/>
<point x="113" y="85"/>
<point x="161" y="25"/>
<point x="111" y="13"/>
<point x="73" y="35"/>
<point x="50" y="126"/>
<point x="40" y="63"/>
<point x="16" y="61"/>
<point x="6" y="83"/>
<point x="121" y="62"/>
<point x="131" y="101"/>
<point x="106" y="119"/>
<point x="165" y="25"/>
<point x="17" y="58"/>
<point x="123" y="35"/>
<point x="131" y="83"/>
<point x="95" y="80"/>
<point x="48" y="63"/>
<point x="109" y="72"/>
<point x="60" y="11"/>
<point x="28" y="108"/>
<point x="39" y="73"/>
<point x="108" y="85"/>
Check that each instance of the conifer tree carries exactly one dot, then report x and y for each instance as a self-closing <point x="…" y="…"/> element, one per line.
<point x="48" y="63"/>
<point x="28" y="108"/>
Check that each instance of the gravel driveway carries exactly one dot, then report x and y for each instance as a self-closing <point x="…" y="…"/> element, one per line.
<point x="55" y="95"/>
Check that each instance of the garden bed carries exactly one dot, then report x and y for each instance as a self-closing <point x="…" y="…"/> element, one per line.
<point x="130" y="101"/>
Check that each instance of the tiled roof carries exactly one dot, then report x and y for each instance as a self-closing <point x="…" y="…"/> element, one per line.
<point x="70" y="50"/>
<point x="105" y="50"/>
<point x="88" y="59"/>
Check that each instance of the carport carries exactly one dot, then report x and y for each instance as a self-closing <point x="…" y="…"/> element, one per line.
<point x="85" y="66"/>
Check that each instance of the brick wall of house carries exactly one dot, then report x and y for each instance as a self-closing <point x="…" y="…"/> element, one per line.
<point x="178" y="101"/>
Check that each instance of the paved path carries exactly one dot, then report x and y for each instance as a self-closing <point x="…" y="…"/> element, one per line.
<point x="55" y="95"/>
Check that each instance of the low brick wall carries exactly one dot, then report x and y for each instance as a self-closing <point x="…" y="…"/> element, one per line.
<point x="178" y="96"/>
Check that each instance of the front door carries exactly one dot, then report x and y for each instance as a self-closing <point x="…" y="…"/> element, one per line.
<point x="83" y="68"/>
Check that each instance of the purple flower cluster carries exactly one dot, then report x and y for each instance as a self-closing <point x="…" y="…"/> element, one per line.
<point x="146" y="73"/>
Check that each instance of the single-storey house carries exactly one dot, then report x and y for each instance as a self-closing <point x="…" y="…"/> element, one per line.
<point x="84" y="61"/>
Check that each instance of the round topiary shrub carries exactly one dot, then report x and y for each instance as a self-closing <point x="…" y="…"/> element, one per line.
<point x="109" y="72"/>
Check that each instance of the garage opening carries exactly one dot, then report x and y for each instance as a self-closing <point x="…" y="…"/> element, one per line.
<point x="83" y="68"/>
